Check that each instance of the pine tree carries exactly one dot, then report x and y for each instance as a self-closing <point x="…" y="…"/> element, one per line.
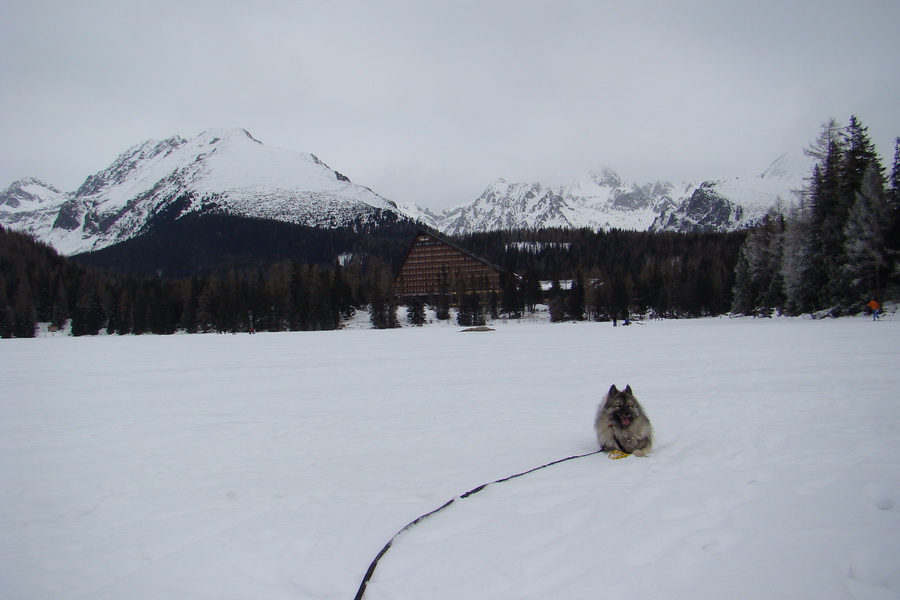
<point x="743" y="296"/>
<point x="342" y="294"/>
<point x="125" y="308"/>
<point x="532" y="295"/>
<point x="511" y="298"/>
<point x="88" y="318"/>
<point x="799" y="267"/>
<point x="299" y="317"/>
<point x="207" y="307"/>
<point x="893" y="191"/>
<point x="392" y="321"/>
<point x="827" y="218"/>
<point x="470" y="311"/>
<point x="893" y="230"/>
<point x="383" y="309"/>
<point x="324" y="310"/>
<point x="377" y="309"/>
<point x="595" y="297"/>
<point x="24" y="314"/>
<point x="575" y="299"/>
<point x="442" y="300"/>
<point x="866" y="230"/>
<point x="415" y="313"/>
<point x="858" y="156"/>
<point x="442" y="307"/>
<point x="759" y="285"/>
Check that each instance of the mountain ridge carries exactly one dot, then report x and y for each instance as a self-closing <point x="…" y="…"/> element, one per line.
<point x="220" y="170"/>
<point x="228" y="171"/>
<point x="603" y="200"/>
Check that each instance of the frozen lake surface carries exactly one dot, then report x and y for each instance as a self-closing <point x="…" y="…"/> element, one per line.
<point x="276" y="466"/>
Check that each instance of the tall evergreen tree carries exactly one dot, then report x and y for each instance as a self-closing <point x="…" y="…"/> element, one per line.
<point x="800" y="268"/>
<point x="470" y="310"/>
<point x="759" y="285"/>
<point x="342" y="293"/>
<point x="323" y="315"/>
<point x="89" y="316"/>
<point x="893" y="231"/>
<point x="866" y="230"/>
<point x="511" y="298"/>
<point x="827" y="218"/>
<point x="532" y="295"/>
<point x="415" y="312"/>
<point x="383" y="310"/>
<point x="24" y="315"/>
<point x="575" y="299"/>
<point x="893" y="191"/>
<point x="858" y="156"/>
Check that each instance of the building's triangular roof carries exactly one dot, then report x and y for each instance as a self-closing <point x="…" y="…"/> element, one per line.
<point x="444" y="240"/>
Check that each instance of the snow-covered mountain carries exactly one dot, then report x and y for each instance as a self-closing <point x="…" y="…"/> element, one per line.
<point x="228" y="171"/>
<point x="601" y="201"/>
<point x="738" y="202"/>
<point x="220" y="170"/>
<point x="604" y="201"/>
<point x="31" y="206"/>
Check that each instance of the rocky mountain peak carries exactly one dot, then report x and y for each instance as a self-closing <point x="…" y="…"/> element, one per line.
<point x="223" y="170"/>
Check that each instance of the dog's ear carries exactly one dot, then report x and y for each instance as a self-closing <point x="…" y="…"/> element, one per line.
<point x="628" y="389"/>
<point x="613" y="390"/>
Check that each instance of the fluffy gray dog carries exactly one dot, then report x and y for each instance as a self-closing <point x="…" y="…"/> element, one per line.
<point x="621" y="424"/>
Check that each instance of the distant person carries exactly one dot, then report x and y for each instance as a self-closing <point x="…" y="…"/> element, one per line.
<point x="875" y="308"/>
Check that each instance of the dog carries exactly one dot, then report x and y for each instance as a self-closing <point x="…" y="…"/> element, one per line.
<point x="621" y="424"/>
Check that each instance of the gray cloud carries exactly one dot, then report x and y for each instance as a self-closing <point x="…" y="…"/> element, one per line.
<point x="429" y="102"/>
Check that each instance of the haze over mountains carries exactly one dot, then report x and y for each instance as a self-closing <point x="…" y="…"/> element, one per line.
<point x="227" y="171"/>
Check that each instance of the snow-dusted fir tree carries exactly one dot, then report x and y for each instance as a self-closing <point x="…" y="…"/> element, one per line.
<point x="828" y="212"/>
<point x="865" y="246"/>
<point x="858" y="158"/>
<point x="893" y="201"/>
<point x="798" y="267"/>
<point x="893" y="191"/>
<point x="759" y="284"/>
<point x="818" y="240"/>
<point x="816" y="272"/>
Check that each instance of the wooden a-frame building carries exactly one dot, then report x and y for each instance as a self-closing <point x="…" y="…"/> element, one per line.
<point x="436" y="267"/>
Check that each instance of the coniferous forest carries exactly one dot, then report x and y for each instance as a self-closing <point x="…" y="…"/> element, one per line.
<point x="39" y="286"/>
<point x="216" y="273"/>
<point x="840" y="247"/>
<point x="614" y="273"/>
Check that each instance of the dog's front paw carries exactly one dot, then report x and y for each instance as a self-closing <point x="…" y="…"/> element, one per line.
<point x="640" y="453"/>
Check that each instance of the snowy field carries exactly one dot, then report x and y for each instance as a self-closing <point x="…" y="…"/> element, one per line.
<point x="277" y="466"/>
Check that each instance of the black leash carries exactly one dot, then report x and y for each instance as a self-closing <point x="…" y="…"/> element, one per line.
<point x="371" y="570"/>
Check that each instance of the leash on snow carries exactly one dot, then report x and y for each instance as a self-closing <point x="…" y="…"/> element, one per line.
<point x="371" y="570"/>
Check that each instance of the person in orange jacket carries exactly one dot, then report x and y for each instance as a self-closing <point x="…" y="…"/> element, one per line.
<point x="875" y="308"/>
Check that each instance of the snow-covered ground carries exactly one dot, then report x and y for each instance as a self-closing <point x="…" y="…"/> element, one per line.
<point x="276" y="466"/>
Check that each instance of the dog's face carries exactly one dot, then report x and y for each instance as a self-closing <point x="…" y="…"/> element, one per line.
<point x="622" y="407"/>
<point x="621" y="424"/>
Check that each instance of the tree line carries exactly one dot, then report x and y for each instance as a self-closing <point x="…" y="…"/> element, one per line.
<point x="615" y="273"/>
<point x="840" y="246"/>
<point x="594" y="275"/>
<point x="39" y="286"/>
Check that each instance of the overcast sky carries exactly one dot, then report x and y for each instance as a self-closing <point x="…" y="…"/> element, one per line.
<point x="429" y="102"/>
